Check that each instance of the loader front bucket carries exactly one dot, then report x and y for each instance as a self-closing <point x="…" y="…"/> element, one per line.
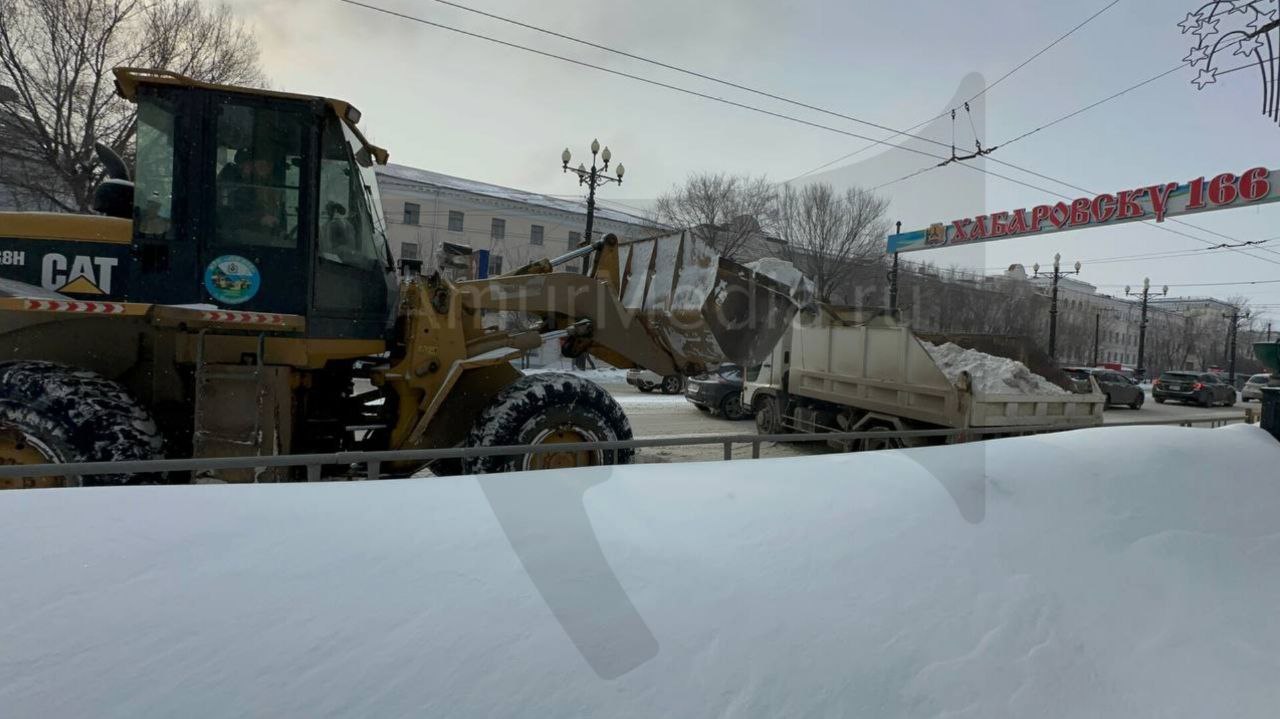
<point x="703" y="308"/>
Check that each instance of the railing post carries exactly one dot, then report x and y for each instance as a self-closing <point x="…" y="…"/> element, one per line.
<point x="728" y="451"/>
<point x="313" y="473"/>
<point x="373" y="467"/>
<point x="755" y="449"/>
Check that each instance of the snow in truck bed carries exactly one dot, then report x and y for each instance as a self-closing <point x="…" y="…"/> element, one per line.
<point x="1030" y="577"/>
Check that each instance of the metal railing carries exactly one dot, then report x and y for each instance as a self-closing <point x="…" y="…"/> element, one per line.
<point x="373" y="461"/>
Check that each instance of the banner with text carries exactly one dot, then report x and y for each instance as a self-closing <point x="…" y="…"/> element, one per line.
<point x="1155" y="202"/>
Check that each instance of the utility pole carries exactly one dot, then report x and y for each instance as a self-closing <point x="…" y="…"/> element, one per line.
<point x="1097" y="334"/>
<point x="592" y="178"/>
<point x="893" y="279"/>
<point x="1057" y="274"/>
<point x="1235" y="318"/>
<point x="1145" y="294"/>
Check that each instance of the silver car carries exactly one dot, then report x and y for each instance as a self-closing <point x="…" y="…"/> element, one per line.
<point x="1253" y="388"/>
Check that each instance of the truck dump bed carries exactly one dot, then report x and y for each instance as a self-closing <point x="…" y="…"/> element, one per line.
<point x="878" y="365"/>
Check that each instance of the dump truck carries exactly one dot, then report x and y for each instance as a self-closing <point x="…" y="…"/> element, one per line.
<point x="235" y="295"/>
<point x="863" y="370"/>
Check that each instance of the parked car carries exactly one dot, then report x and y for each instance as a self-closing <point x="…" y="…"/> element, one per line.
<point x="1202" y="388"/>
<point x="1253" y="388"/>
<point x="646" y="381"/>
<point x="1119" y="388"/>
<point x="719" y="392"/>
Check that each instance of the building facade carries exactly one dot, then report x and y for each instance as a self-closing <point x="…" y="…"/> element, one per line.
<point x="426" y="209"/>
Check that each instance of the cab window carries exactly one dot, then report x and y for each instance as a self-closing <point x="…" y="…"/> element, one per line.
<point x="258" y="160"/>
<point x="348" y="233"/>
<point x="154" y="168"/>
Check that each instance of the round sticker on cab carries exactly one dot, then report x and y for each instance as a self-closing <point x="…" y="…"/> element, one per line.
<point x="232" y="279"/>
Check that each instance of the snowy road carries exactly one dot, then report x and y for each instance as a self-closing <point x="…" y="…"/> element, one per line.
<point x="670" y="415"/>
<point x="657" y="415"/>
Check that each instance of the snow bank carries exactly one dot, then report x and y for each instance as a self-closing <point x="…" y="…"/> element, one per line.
<point x="603" y="375"/>
<point x="990" y="374"/>
<point x="1029" y="577"/>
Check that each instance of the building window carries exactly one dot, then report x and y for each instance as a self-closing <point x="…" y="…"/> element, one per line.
<point x="408" y="250"/>
<point x="575" y="239"/>
<point x="455" y="221"/>
<point x="412" y="213"/>
<point x="535" y="235"/>
<point x="498" y="229"/>
<point x="495" y="265"/>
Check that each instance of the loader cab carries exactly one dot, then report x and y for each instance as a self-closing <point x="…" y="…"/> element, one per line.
<point x="260" y="202"/>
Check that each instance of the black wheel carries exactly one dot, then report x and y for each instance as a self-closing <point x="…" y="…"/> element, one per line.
<point x="1137" y="401"/>
<point x="1231" y="401"/>
<point x="875" y="443"/>
<point x="643" y="386"/>
<point x="549" y="408"/>
<point x="1107" y="401"/>
<point x="1159" y="400"/>
<point x="1207" y="401"/>
<point x="672" y="384"/>
<point x="768" y="418"/>
<point x="50" y="413"/>
<point x="731" y="406"/>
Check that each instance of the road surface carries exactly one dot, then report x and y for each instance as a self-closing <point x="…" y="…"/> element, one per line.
<point x="659" y="415"/>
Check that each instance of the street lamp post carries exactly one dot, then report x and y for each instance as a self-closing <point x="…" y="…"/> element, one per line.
<point x="1057" y="274"/>
<point x="1145" y="294"/>
<point x="592" y="178"/>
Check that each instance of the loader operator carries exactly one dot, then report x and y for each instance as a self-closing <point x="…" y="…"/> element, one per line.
<point x="253" y="208"/>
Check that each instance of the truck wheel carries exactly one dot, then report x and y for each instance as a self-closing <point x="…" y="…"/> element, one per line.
<point x="1137" y="401"/>
<point x="644" y="386"/>
<point x="768" y="419"/>
<point x="672" y="384"/>
<point x="549" y="408"/>
<point x="53" y="414"/>
<point x="872" y="444"/>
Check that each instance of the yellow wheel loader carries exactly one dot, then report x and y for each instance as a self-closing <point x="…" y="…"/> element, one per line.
<point x="235" y="295"/>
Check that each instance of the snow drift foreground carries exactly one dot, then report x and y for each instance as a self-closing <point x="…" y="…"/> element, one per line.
<point x="1030" y="577"/>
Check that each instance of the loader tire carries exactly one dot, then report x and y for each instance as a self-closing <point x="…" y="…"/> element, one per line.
<point x="549" y="408"/>
<point x="51" y="413"/>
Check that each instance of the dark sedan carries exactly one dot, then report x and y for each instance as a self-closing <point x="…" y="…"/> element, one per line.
<point x="718" y="391"/>
<point x="1200" y="388"/>
<point x="1118" y="388"/>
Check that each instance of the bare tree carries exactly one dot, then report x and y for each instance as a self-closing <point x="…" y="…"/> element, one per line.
<point x="57" y="56"/>
<point x="827" y="233"/>
<point x="727" y="211"/>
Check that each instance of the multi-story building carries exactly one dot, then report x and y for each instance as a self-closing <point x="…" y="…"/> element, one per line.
<point x="1087" y="318"/>
<point x="426" y="209"/>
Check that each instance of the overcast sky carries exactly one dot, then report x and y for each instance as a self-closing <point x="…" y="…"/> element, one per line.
<point x="462" y="106"/>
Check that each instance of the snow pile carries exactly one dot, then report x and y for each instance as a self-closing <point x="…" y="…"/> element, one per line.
<point x="785" y="273"/>
<point x="990" y="374"/>
<point x="946" y="581"/>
